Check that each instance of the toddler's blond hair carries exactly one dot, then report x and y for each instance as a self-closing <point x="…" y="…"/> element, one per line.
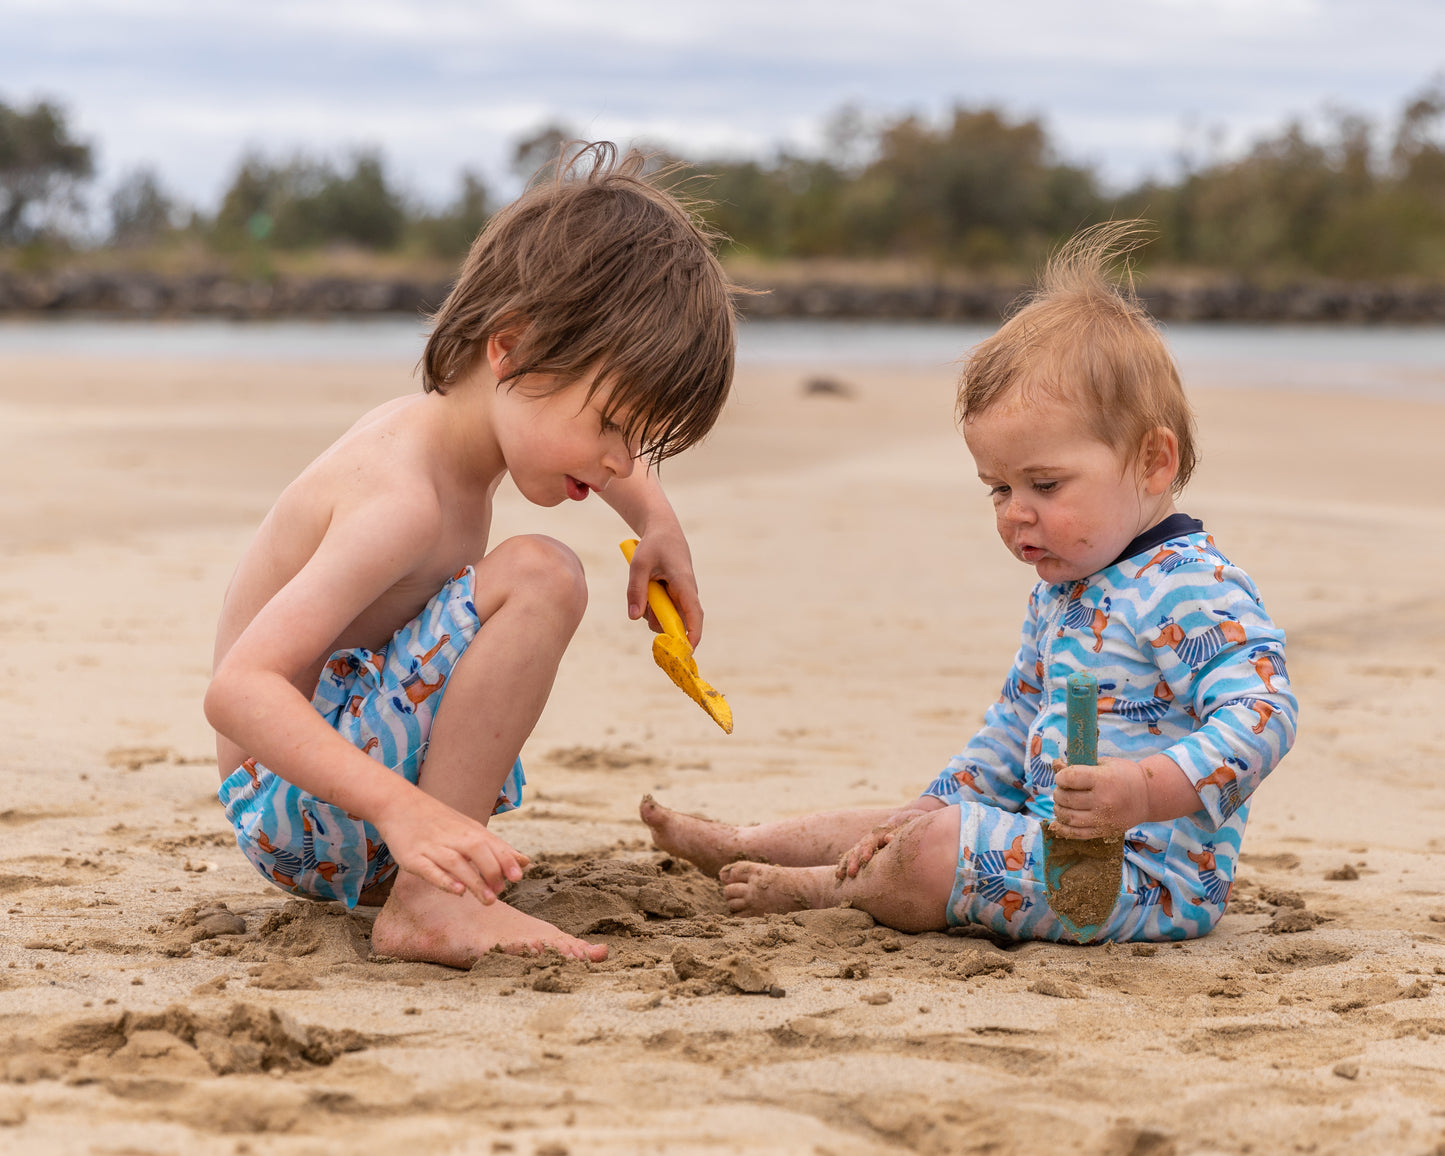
<point x="1083" y="338"/>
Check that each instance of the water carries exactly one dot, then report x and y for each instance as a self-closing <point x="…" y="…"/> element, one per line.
<point x="1392" y="360"/>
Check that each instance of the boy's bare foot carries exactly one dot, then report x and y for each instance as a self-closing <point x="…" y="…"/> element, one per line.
<point x="757" y="888"/>
<point x="706" y="844"/>
<point x="422" y="923"/>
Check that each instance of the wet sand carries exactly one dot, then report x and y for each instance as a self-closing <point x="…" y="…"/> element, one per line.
<point x="157" y="996"/>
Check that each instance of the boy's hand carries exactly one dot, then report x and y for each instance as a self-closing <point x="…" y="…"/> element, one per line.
<point x="662" y="554"/>
<point x="862" y="852"/>
<point x="1099" y="801"/>
<point x="450" y="851"/>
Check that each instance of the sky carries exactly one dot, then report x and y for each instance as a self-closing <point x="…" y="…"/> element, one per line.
<point x="439" y="86"/>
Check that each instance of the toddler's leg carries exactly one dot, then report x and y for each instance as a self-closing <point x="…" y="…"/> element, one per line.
<point x="530" y="593"/>
<point x="804" y="841"/>
<point x="907" y="885"/>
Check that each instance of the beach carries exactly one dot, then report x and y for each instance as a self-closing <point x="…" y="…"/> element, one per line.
<point x="156" y="995"/>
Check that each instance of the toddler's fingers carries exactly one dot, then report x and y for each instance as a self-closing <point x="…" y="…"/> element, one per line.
<point x="1073" y="778"/>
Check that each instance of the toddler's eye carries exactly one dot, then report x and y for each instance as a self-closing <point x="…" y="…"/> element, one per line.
<point x="998" y="492"/>
<point x="1046" y="487"/>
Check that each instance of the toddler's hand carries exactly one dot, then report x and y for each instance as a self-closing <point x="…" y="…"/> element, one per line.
<point x="1098" y="801"/>
<point x="449" y="850"/>
<point x="862" y="852"/>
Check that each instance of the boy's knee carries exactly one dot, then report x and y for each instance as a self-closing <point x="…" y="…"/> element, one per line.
<point x="546" y="567"/>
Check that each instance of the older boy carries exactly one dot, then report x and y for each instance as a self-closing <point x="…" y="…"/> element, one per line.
<point x="377" y="668"/>
<point x="1076" y="420"/>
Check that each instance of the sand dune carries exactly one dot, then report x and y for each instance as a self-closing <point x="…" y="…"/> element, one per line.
<point x="157" y="996"/>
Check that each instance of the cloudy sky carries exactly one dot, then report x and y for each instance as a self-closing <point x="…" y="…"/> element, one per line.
<point x="438" y="85"/>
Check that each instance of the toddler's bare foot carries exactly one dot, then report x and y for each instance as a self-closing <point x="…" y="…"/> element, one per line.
<point x="422" y="923"/>
<point x="702" y="842"/>
<point x="757" y="888"/>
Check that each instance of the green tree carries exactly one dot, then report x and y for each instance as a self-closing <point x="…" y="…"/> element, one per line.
<point x="305" y="203"/>
<point x="141" y="211"/>
<point x="450" y="232"/>
<point x="42" y="169"/>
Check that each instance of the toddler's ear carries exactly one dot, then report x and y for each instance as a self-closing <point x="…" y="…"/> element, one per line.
<point x="1159" y="460"/>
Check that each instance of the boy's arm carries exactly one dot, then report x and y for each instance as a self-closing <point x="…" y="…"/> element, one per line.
<point x="253" y="699"/>
<point x="662" y="552"/>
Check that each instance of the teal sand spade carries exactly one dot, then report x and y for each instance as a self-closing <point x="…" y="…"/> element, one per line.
<point x="1082" y="877"/>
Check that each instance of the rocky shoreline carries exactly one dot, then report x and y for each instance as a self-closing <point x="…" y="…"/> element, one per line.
<point x="148" y="295"/>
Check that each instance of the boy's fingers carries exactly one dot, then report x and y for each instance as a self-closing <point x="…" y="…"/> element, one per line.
<point x="438" y="877"/>
<point x="685" y="599"/>
<point x="637" y="593"/>
<point x="461" y="867"/>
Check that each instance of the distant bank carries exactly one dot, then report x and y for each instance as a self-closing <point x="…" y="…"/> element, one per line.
<point x="149" y="295"/>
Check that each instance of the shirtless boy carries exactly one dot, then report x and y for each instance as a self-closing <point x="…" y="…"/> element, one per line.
<point x="377" y="667"/>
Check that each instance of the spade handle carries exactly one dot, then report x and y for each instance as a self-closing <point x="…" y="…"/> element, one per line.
<point x="1083" y="707"/>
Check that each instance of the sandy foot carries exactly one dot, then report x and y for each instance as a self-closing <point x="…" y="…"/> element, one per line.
<point x="706" y="844"/>
<point x="757" y="888"/>
<point x="422" y="923"/>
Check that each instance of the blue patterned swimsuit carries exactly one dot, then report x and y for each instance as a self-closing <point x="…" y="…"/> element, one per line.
<point x="1189" y="666"/>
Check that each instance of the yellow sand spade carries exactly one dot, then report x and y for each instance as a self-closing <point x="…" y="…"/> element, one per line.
<point x="672" y="651"/>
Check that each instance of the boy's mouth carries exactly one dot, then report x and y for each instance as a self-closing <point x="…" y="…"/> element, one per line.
<point x="577" y="490"/>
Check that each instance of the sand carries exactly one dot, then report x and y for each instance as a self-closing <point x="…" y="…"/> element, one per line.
<point x="157" y="996"/>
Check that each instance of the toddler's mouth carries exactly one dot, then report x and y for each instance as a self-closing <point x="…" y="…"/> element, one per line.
<point x="577" y="490"/>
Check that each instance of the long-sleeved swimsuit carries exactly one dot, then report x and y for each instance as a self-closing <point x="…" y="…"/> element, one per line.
<point x="1189" y="665"/>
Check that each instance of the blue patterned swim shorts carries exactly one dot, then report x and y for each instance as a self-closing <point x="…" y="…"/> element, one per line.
<point x="383" y="703"/>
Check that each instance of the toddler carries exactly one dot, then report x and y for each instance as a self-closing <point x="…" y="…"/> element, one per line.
<point x="1075" y="417"/>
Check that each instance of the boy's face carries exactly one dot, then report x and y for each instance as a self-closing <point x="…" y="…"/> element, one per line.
<point x="1065" y="503"/>
<point x="559" y="446"/>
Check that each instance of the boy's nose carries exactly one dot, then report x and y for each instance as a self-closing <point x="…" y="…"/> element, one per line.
<point x="618" y="462"/>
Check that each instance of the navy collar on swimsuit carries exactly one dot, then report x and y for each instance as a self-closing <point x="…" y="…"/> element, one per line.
<point x="1174" y="526"/>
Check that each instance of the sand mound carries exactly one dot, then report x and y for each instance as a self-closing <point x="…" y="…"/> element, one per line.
<point x="618" y="896"/>
<point x="177" y="1043"/>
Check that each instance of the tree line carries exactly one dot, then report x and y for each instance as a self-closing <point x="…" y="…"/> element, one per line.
<point x="977" y="190"/>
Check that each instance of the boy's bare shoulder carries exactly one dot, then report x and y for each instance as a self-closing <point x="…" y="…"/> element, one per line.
<point x="383" y="459"/>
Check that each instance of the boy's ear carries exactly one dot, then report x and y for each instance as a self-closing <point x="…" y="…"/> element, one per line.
<point x="1159" y="460"/>
<point x="499" y="350"/>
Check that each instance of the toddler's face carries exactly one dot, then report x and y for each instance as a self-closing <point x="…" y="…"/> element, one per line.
<point x="1065" y="502"/>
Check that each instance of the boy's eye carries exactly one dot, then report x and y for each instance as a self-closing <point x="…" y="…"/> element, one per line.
<point x="1046" y="487"/>
<point x="998" y="491"/>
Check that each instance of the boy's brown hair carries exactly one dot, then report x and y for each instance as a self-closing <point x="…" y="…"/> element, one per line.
<point x="1083" y="338"/>
<point x="599" y="268"/>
